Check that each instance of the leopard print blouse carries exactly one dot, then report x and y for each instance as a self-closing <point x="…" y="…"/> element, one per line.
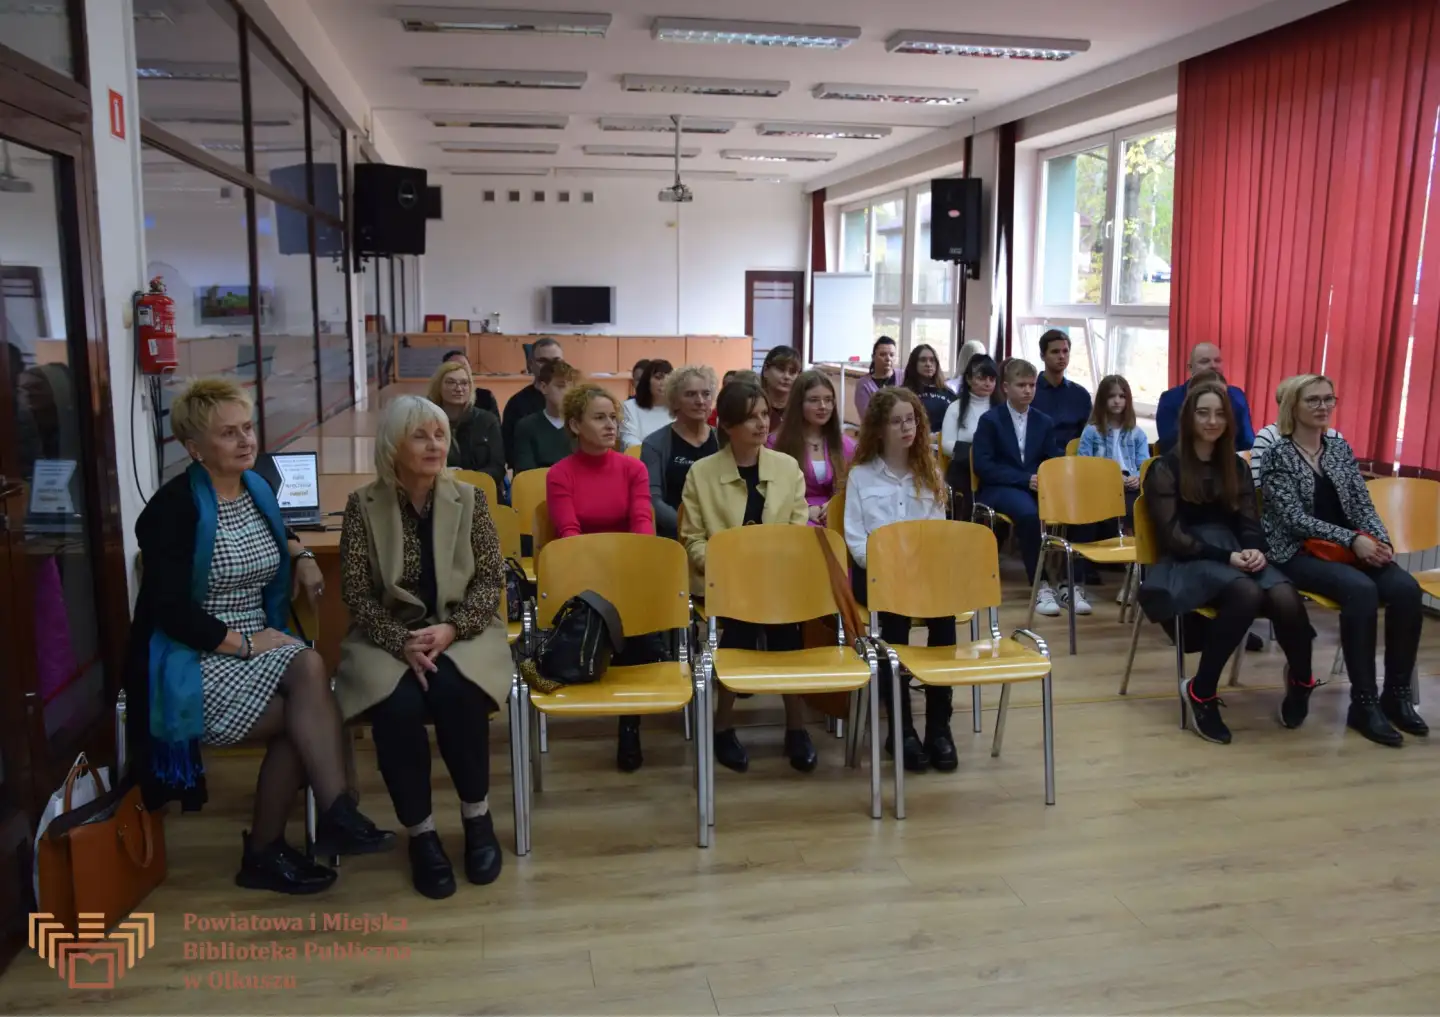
<point x="360" y="587"/>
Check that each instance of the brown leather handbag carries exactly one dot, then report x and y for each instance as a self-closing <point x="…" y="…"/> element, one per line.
<point x="103" y="857"/>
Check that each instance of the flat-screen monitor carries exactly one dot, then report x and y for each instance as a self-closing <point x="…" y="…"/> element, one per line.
<point x="582" y="305"/>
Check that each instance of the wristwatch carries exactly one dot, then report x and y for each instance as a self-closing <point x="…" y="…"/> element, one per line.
<point x="305" y="553"/>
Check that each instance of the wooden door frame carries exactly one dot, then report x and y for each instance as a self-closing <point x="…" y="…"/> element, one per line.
<point x="798" y="279"/>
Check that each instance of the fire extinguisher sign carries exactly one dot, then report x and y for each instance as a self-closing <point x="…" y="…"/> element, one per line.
<point x="117" y="114"/>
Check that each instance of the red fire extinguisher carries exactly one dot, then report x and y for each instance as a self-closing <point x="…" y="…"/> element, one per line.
<point x="155" y="330"/>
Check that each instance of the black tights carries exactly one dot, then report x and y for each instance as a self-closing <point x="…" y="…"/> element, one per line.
<point x="302" y="727"/>
<point x="895" y="630"/>
<point x="460" y="711"/>
<point x="1238" y="605"/>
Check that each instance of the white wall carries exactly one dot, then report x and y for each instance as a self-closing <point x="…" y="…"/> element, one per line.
<point x="485" y="257"/>
<point x="110" y="29"/>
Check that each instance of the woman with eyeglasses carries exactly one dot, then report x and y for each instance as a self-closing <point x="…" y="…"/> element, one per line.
<point x="1325" y="534"/>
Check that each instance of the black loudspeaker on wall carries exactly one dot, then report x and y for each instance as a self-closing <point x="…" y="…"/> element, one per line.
<point x="955" y="220"/>
<point x="390" y="206"/>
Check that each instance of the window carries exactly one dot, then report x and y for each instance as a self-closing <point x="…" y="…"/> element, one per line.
<point x="208" y="113"/>
<point x="41" y="32"/>
<point x="1103" y="249"/>
<point x="915" y="297"/>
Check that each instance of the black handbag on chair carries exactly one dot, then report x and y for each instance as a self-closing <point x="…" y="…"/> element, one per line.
<point x="578" y="647"/>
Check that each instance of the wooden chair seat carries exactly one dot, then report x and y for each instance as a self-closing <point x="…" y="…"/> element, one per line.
<point x="641" y="689"/>
<point x="986" y="662"/>
<point x="791" y="672"/>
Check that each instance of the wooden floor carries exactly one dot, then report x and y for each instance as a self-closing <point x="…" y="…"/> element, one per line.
<point x="1291" y="872"/>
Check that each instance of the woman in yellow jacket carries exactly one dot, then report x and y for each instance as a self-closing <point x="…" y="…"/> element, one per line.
<point x="743" y="484"/>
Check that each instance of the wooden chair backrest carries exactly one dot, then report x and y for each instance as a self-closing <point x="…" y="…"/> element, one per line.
<point x="646" y="578"/>
<point x="770" y="574"/>
<point x="1076" y="490"/>
<point x="835" y="515"/>
<point x="1410" y="509"/>
<point x="1145" y="468"/>
<point x="932" y="568"/>
<point x="544" y="530"/>
<point x="527" y="490"/>
<point x="507" y="528"/>
<point x="1072" y="447"/>
<point x="481" y="482"/>
<point x="633" y="451"/>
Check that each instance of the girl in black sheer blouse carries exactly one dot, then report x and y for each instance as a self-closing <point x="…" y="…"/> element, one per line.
<point x="1201" y="501"/>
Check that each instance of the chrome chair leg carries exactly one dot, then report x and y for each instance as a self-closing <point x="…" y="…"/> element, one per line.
<point x="1070" y="600"/>
<point x="121" y="742"/>
<point x="686" y="718"/>
<point x="537" y="739"/>
<point x="975" y="689"/>
<point x="704" y="757"/>
<point x="1048" y="708"/>
<point x="1000" y="720"/>
<point x="544" y="733"/>
<point x="1180" y="665"/>
<point x="1130" y="661"/>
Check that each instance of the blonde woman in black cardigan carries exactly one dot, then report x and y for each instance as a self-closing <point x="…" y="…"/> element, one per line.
<point x="1317" y="512"/>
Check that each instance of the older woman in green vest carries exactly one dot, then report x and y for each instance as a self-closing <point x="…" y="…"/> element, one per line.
<point x="422" y="576"/>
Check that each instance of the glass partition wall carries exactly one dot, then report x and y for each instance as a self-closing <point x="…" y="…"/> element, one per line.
<point x="245" y="176"/>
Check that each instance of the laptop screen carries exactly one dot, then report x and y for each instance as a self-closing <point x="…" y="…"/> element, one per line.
<point x="299" y="480"/>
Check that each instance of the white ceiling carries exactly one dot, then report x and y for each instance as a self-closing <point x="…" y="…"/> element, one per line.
<point x="383" y="57"/>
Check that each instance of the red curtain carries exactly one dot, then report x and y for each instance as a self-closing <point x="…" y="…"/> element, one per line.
<point x="1301" y="189"/>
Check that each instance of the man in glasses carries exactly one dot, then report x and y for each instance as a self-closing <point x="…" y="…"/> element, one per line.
<point x="1204" y="357"/>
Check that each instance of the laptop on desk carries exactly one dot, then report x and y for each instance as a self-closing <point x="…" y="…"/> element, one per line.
<point x="295" y="478"/>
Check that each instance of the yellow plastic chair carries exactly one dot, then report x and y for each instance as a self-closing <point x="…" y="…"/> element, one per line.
<point x="1410" y="509"/>
<point x="633" y="451"/>
<point x="932" y="568"/>
<point x="1147" y="553"/>
<point x="527" y="492"/>
<point x="776" y="574"/>
<point x="1072" y="447"/>
<point x="482" y="482"/>
<point x="1079" y="491"/>
<point x="979" y="506"/>
<point x="507" y="528"/>
<point x="648" y="580"/>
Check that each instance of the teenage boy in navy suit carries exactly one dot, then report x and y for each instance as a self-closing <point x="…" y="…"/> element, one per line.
<point x="1011" y="441"/>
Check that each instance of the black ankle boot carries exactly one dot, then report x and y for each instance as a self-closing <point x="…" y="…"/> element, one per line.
<point x="628" y="757"/>
<point x="916" y="759"/>
<point x="430" y="868"/>
<point x="940" y="747"/>
<point x="1399" y="709"/>
<point x="1295" y="707"/>
<point x="280" y="868"/>
<point x="344" y="830"/>
<point x="729" y="753"/>
<point x="1369" y="720"/>
<point x="801" y="750"/>
<point x="483" y="857"/>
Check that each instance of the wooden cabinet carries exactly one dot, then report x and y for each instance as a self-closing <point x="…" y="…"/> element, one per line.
<point x="497" y="354"/>
<point x="591" y="354"/>
<point x="722" y="353"/>
<point x="675" y="350"/>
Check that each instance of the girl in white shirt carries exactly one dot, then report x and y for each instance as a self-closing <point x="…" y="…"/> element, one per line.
<point x="646" y="412"/>
<point x="895" y="478"/>
<point x="979" y="390"/>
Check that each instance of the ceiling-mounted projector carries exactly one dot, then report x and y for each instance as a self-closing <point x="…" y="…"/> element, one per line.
<point x="677" y="194"/>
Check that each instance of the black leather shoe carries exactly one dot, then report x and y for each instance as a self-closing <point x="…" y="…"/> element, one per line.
<point x="1253" y="643"/>
<point x="628" y="756"/>
<point x="430" y="867"/>
<point x="940" y="747"/>
<point x="1399" y="710"/>
<point x="483" y="856"/>
<point x="344" y="830"/>
<point x="1295" y="707"/>
<point x="281" y="869"/>
<point x="1366" y="717"/>
<point x="800" y="750"/>
<point x="729" y="752"/>
<point x="917" y="760"/>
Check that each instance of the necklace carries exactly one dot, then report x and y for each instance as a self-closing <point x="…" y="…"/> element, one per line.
<point x="1312" y="456"/>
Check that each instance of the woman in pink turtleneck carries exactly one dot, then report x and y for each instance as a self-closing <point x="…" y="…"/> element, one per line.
<point x="598" y="490"/>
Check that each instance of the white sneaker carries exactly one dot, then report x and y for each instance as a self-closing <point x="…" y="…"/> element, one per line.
<point x="1082" y="606"/>
<point x="1045" y="602"/>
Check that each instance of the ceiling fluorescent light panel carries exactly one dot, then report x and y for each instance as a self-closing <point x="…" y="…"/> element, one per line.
<point x="664" y="125"/>
<point x="459" y="77"/>
<point x="498" y="147"/>
<point x="495" y="171"/>
<point x="914" y="94"/>
<point x="673" y="85"/>
<point x="499" y="121"/>
<point x="182" y="70"/>
<point x="752" y="155"/>
<point x="753" y="33"/>
<point x="846" y="132"/>
<point x="500" y="21"/>
<point x="640" y="151"/>
<point x="995" y="47"/>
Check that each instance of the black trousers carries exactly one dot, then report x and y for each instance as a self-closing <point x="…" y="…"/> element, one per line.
<point x="1360" y="592"/>
<point x="895" y="630"/>
<point x="460" y="711"/>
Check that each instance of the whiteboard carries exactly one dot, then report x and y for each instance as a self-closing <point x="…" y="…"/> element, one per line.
<point x="844" y="321"/>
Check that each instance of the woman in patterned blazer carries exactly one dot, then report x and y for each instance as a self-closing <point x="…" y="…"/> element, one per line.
<point x="1325" y="534"/>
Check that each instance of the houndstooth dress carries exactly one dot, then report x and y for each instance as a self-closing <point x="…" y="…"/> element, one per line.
<point x="244" y="561"/>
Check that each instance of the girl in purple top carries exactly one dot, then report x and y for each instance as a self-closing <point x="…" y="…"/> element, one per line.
<point x="810" y="434"/>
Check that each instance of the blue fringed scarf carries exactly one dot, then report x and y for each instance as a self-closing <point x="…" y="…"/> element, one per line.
<point x="177" y="696"/>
